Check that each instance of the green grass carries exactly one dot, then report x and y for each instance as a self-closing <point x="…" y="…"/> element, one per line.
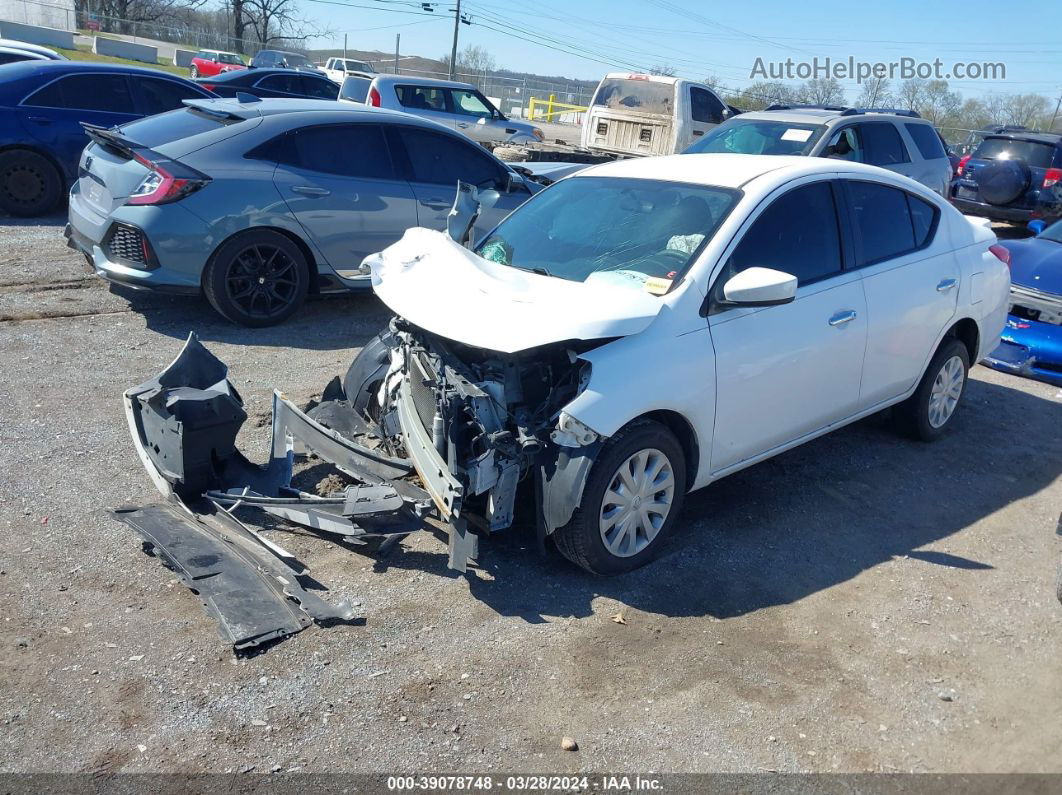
<point x="84" y="53"/>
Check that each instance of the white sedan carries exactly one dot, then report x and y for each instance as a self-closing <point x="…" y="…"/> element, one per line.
<point x="631" y="333"/>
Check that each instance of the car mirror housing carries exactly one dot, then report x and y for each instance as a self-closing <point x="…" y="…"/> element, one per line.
<point x="760" y="287"/>
<point x="1037" y="226"/>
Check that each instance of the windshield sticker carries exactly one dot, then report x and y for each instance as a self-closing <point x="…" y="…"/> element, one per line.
<point x="796" y="134"/>
<point x="657" y="285"/>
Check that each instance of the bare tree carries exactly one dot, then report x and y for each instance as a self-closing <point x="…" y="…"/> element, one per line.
<point x="473" y="59"/>
<point x="874" y="93"/>
<point x="757" y="96"/>
<point x="119" y="16"/>
<point x="822" y="91"/>
<point x="278" y="20"/>
<point x="1028" y="110"/>
<point x="666" y="70"/>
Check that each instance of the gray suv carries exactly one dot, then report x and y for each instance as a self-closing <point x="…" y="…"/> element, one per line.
<point x="897" y="140"/>
<point x="256" y="204"/>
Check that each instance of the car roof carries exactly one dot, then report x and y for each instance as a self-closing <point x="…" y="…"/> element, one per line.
<point x="734" y="170"/>
<point x="30" y="54"/>
<point x="422" y="81"/>
<point x="219" y="52"/>
<point x="282" y="52"/>
<point x="342" y="111"/>
<point x="23" y="69"/>
<point x="642" y="76"/>
<point x="825" y="116"/>
<point x="252" y="74"/>
<point x="1038" y="137"/>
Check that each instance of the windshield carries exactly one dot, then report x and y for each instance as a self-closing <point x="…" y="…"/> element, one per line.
<point x="759" y="137"/>
<point x="355" y="66"/>
<point x="294" y="59"/>
<point x="1036" y="154"/>
<point x="635" y="232"/>
<point x="230" y="58"/>
<point x="647" y="96"/>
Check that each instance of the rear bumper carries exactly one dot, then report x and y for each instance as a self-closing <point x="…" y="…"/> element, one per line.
<point x="1029" y="348"/>
<point x="985" y="210"/>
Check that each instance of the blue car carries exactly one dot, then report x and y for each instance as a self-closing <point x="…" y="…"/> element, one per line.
<point x="1032" y="340"/>
<point x="42" y="105"/>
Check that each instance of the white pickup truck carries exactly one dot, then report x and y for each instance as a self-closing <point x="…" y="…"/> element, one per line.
<point x="337" y="69"/>
<point x="639" y="114"/>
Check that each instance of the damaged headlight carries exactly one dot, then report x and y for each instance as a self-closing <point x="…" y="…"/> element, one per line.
<point x="572" y="433"/>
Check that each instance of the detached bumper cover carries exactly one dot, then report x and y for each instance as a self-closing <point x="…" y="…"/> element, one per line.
<point x="1029" y="348"/>
<point x="184" y="424"/>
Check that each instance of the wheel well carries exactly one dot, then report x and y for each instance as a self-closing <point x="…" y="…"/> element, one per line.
<point x="46" y="155"/>
<point x="311" y="261"/>
<point x="685" y="435"/>
<point x="967" y="332"/>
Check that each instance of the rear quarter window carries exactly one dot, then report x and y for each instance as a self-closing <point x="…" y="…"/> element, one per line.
<point x="927" y="141"/>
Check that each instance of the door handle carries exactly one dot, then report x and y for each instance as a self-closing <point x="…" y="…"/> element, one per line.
<point x="698" y="132"/>
<point x="946" y="285"/>
<point x="436" y="204"/>
<point x="310" y="190"/>
<point x="40" y="119"/>
<point x="462" y="125"/>
<point x="843" y="317"/>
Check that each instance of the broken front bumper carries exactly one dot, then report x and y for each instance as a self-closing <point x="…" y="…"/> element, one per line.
<point x="184" y="424"/>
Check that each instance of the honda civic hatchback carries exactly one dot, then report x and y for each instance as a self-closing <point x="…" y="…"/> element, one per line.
<point x="256" y="204"/>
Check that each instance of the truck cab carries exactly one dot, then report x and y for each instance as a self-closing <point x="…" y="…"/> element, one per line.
<point x="640" y="114"/>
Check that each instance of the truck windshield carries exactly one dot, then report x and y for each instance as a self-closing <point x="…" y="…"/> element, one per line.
<point x="645" y="96"/>
<point x="759" y="137"/>
<point x="635" y="232"/>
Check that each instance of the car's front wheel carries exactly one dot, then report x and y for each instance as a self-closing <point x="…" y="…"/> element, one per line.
<point x="631" y="501"/>
<point x="927" y="414"/>
<point x="29" y="184"/>
<point x="258" y="278"/>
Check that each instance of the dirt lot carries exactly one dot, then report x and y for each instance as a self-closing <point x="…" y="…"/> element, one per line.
<point x="861" y="603"/>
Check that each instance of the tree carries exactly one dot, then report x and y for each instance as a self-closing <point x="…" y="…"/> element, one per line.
<point x="874" y="93"/>
<point x="821" y="91"/>
<point x="277" y="20"/>
<point x="1028" y="110"/>
<point x="757" y="96"/>
<point x="473" y="59"/>
<point x="666" y="70"/>
<point x="120" y="15"/>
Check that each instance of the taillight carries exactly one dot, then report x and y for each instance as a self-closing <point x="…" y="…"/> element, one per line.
<point x="1001" y="252"/>
<point x="1052" y="177"/>
<point x="160" y="186"/>
<point x="962" y="164"/>
<point x="374" y="97"/>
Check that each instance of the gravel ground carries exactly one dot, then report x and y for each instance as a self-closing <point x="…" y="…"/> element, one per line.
<point x="860" y="603"/>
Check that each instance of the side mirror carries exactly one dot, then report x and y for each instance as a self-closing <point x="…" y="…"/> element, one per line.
<point x="1037" y="226"/>
<point x="760" y="287"/>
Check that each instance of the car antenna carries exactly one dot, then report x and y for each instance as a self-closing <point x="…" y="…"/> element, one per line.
<point x="243" y="96"/>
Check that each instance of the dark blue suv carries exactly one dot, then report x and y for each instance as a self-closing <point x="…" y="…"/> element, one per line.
<point x="42" y="105"/>
<point x="1012" y="176"/>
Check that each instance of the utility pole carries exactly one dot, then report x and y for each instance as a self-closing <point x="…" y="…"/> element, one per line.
<point x="398" y="38"/>
<point x="1051" y="126"/>
<point x="344" y="50"/>
<point x="453" y="49"/>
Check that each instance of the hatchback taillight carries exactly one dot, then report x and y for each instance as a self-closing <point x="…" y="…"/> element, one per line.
<point x="374" y="97"/>
<point x="162" y="186"/>
<point x="962" y="164"/>
<point x="1001" y="252"/>
<point x="1052" y="177"/>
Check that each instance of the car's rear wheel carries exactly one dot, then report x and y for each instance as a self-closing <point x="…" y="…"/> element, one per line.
<point x="258" y="278"/>
<point x="29" y="183"/>
<point x="927" y="414"/>
<point x="631" y="501"/>
<point x="193" y="72"/>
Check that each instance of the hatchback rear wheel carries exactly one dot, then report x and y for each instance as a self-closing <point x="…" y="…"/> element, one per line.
<point x="29" y="184"/>
<point x="258" y="278"/>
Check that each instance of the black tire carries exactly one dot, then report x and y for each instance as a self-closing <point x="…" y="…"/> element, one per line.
<point x="581" y="541"/>
<point x="30" y="184"/>
<point x="257" y="278"/>
<point x="913" y="415"/>
<point x="193" y="72"/>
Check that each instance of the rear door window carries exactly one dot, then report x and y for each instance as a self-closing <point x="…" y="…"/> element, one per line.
<point x="423" y="98"/>
<point x="927" y="141"/>
<point x="319" y="88"/>
<point x="1034" y="153"/>
<point x="343" y="150"/>
<point x="705" y="106"/>
<point x="798" y="234"/>
<point x="444" y="160"/>
<point x="160" y="95"/>
<point x="883" y="223"/>
<point x="882" y="145"/>
<point x="100" y="92"/>
<point x="285" y="84"/>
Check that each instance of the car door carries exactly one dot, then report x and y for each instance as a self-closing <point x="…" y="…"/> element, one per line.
<point x="911" y="280"/>
<point x="53" y="113"/>
<point x="158" y="95"/>
<point x="783" y="372"/>
<point x="477" y="119"/>
<point x="339" y="182"/>
<point x="428" y="102"/>
<point x="435" y="162"/>
<point x="705" y="112"/>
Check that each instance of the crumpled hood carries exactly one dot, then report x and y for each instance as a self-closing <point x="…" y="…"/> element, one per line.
<point x="1036" y="264"/>
<point x="436" y="284"/>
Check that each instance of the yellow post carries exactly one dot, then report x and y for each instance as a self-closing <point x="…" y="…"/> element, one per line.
<point x="549" y="108"/>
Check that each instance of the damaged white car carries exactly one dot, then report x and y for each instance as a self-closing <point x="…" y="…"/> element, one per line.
<point x="630" y="334"/>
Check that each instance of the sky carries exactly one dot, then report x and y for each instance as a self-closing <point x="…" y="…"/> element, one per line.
<point x="586" y="38"/>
